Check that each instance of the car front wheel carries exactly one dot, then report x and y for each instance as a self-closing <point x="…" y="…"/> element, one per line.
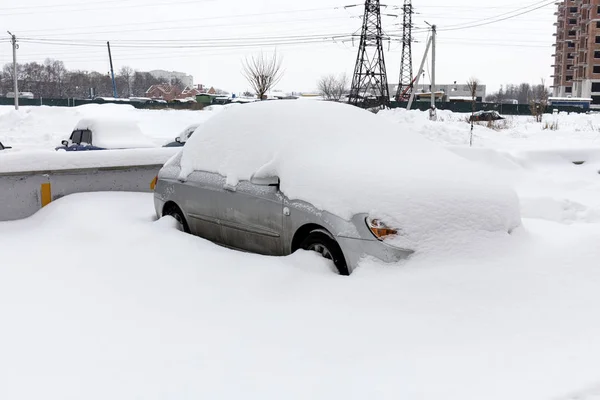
<point x="323" y="243"/>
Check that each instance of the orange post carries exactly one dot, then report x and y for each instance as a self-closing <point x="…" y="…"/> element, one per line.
<point x="46" y="192"/>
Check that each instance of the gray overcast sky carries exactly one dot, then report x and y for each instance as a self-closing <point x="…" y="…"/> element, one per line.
<point x="512" y="51"/>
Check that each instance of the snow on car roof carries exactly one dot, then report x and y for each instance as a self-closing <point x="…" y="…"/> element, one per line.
<point x="349" y="161"/>
<point x="115" y="133"/>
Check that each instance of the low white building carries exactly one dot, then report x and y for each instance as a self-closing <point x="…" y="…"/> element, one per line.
<point x="452" y="90"/>
<point x="22" y="95"/>
<point x="168" y="76"/>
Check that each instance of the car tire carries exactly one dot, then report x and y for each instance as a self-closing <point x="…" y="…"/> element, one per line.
<point x="177" y="214"/>
<point x="323" y="243"/>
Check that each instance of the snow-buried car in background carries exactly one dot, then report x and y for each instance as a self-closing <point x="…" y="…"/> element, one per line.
<point x="105" y="134"/>
<point x="486" y="116"/>
<point x="275" y="177"/>
<point x="183" y="136"/>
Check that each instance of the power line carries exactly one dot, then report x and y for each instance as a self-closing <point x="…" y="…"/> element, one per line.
<point x="467" y="26"/>
<point x="86" y="29"/>
<point x="192" y="27"/>
<point x="53" y="10"/>
<point x="182" y="53"/>
<point x="232" y="43"/>
<point x="61" y="5"/>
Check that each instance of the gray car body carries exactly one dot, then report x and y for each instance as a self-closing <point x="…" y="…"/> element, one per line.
<point x="259" y="218"/>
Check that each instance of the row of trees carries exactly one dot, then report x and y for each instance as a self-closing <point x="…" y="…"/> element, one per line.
<point x="524" y="93"/>
<point x="51" y="79"/>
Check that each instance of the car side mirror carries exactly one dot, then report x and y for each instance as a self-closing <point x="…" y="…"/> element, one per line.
<point x="7" y="147"/>
<point x="178" y="139"/>
<point x="265" y="181"/>
<point x="65" y="143"/>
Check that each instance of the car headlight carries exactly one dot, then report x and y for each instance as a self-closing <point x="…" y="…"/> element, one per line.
<point x="379" y="229"/>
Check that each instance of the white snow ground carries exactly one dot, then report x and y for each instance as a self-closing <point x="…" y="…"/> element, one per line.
<point x="98" y="300"/>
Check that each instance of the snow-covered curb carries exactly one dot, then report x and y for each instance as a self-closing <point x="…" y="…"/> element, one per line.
<point x="42" y="160"/>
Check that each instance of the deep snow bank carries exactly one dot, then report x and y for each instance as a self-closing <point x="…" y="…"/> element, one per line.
<point x="46" y="160"/>
<point x="45" y="127"/>
<point x="115" y="313"/>
<point x="349" y="161"/>
<point x="556" y="131"/>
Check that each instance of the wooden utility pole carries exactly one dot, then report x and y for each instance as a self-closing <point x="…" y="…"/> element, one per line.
<point x="15" y="46"/>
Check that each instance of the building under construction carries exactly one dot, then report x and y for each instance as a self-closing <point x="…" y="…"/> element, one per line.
<point x="577" y="54"/>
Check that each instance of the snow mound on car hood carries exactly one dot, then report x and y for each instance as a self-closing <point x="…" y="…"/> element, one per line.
<point x="115" y="133"/>
<point x="348" y="161"/>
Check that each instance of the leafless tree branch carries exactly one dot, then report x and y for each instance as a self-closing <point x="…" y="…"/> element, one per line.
<point x="263" y="72"/>
<point x="332" y="88"/>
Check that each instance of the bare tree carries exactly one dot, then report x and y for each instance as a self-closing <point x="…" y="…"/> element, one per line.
<point x="142" y="81"/>
<point x="333" y="88"/>
<point x="263" y="72"/>
<point x="473" y="85"/>
<point x="539" y="101"/>
<point x="126" y="73"/>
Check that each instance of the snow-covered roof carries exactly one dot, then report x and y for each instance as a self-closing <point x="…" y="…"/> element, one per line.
<point x="349" y="161"/>
<point x="465" y="98"/>
<point x="573" y="99"/>
<point x="112" y="99"/>
<point x="115" y="133"/>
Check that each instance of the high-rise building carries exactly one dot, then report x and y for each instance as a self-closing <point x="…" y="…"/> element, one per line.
<point x="577" y="53"/>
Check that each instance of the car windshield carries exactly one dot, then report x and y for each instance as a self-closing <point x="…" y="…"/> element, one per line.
<point x="86" y="136"/>
<point x="81" y="136"/>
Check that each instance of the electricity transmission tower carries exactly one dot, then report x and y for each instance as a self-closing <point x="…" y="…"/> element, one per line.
<point x="405" y="84"/>
<point x="369" y="83"/>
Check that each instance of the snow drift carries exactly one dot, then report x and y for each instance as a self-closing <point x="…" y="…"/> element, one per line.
<point x="349" y="161"/>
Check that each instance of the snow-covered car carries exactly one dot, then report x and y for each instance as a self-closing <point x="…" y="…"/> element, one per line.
<point x="275" y="177"/>
<point x="105" y="134"/>
<point x="183" y="136"/>
<point x="485" y="116"/>
<point x="2" y="147"/>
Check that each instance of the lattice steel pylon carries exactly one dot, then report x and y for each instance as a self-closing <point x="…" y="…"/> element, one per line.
<point x="405" y="84"/>
<point x="369" y="83"/>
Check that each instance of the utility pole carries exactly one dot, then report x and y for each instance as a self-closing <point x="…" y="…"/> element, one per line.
<point x="433" y="113"/>
<point x="112" y="71"/>
<point x="405" y="84"/>
<point x="369" y="83"/>
<point x="15" y="46"/>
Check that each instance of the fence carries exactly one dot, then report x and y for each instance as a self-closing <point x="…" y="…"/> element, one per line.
<point x="465" y="107"/>
<point x="79" y="102"/>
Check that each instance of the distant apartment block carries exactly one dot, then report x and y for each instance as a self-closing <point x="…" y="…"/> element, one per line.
<point x="168" y="76"/>
<point x="577" y="53"/>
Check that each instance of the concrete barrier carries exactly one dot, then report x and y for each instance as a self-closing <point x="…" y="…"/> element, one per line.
<point x="24" y="193"/>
